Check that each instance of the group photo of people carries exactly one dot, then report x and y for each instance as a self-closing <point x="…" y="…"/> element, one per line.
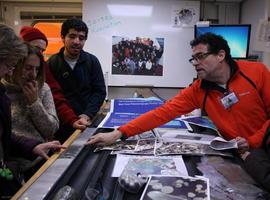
<point x="139" y="56"/>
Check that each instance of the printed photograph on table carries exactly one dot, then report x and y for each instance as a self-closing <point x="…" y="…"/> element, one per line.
<point x="153" y="166"/>
<point x="169" y="147"/>
<point x="145" y="135"/>
<point x="137" y="56"/>
<point x="173" y="188"/>
<point x="172" y="147"/>
<point x="141" y="146"/>
<point x="145" y="146"/>
<point x="149" y="165"/>
<point x="125" y="146"/>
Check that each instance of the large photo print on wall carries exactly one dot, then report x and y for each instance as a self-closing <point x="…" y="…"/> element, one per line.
<point x="139" y="56"/>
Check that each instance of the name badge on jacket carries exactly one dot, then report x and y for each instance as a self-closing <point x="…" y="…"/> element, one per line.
<point x="228" y="100"/>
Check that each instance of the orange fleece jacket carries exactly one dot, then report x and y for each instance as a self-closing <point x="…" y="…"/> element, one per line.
<point x="248" y="118"/>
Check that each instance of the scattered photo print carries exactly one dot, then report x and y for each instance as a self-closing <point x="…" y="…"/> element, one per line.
<point x="145" y="146"/>
<point x="146" y="165"/>
<point x="179" y="148"/>
<point x="174" y="188"/>
<point x="149" y="165"/>
<point x="128" y="145"/>
<point x="171" y="148"/>
<point x="144" y="135"/>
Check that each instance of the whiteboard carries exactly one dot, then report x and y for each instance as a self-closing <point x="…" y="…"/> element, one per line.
<point x="109" y="22"/>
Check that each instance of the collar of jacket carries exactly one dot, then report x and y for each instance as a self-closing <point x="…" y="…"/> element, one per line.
<point x="209" y="85"/>
<point x="82" y="57"/>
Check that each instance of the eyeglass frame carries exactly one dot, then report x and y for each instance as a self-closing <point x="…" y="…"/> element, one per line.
<point x="200" y="57"/>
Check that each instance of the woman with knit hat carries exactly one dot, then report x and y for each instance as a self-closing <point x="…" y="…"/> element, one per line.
<point x="35" y="37"/>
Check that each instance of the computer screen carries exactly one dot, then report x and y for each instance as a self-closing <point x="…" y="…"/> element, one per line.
<point x="237" y="37"/>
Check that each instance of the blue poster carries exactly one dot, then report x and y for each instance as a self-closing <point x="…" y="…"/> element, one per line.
<point x="134" y="105"/>
<point x="119" y="119"/>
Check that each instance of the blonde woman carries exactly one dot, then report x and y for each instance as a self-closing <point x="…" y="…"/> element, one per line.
<point x="33" y="110"/>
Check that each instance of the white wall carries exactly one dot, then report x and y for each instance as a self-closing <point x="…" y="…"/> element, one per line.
<point x="124" y="92"/>
<point x="209" y="11"/>
<point x="11" y="11"/>
<point x="228" y="13"/>
<point x="252" y="12"/>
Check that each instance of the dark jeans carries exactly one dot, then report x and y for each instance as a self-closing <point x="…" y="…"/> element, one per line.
<point x="257" y="164"/>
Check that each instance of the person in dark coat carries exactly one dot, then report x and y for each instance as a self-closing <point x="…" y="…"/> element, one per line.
<point x="78" y="72"/>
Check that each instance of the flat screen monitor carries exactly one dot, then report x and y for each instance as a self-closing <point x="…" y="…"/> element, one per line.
<point x="237" y="37"/>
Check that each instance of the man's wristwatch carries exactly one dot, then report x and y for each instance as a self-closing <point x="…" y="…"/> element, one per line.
<point x="123" y="137"/>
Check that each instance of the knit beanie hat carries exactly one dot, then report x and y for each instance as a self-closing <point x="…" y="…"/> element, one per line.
<point x="29" y="33"/>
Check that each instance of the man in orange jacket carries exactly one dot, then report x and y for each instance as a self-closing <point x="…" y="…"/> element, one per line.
<point x="235" y="95"/>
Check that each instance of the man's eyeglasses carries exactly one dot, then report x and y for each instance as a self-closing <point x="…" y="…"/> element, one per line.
<point x="199" y="57"/>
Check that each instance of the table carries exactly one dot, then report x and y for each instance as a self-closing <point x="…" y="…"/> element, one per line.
<point x="81" y="168"/>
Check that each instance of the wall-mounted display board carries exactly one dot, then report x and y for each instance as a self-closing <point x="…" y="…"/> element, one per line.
<point x="142" y="42"/>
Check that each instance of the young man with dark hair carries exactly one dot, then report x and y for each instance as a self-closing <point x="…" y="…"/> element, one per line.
<point x="78" y="72"/>
<point x="75" y="24"/>
<point x="235" y="95"/>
